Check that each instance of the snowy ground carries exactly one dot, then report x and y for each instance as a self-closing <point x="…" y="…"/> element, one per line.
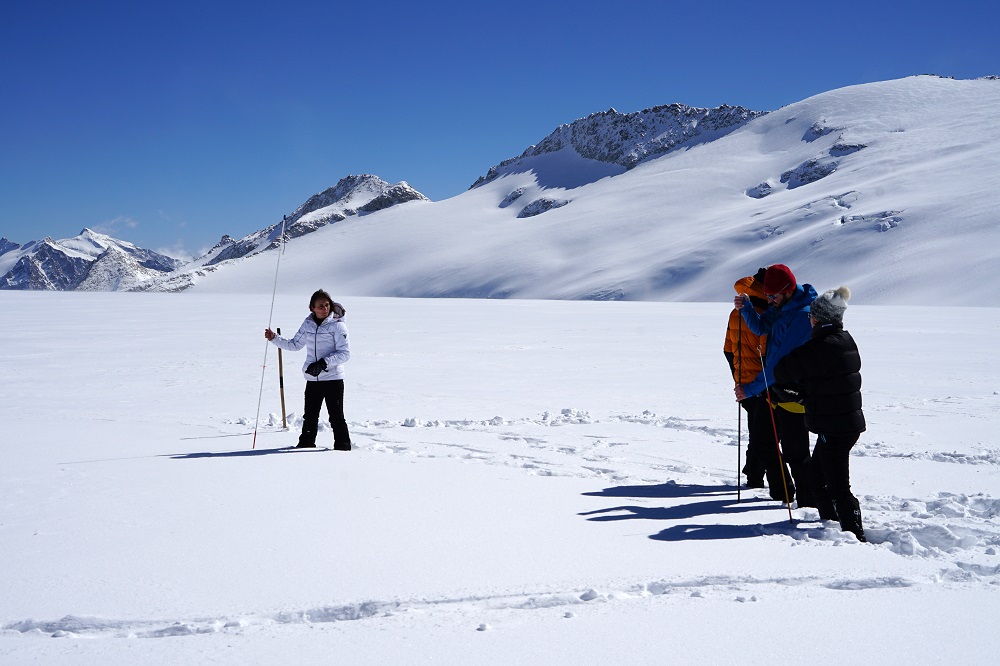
<point x="533" y="483"/>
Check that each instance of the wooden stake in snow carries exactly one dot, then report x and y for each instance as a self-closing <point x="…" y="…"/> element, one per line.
<point x="281" y="388"/>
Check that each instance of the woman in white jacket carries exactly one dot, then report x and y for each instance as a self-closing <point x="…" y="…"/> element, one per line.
<point x="324" y="335"/>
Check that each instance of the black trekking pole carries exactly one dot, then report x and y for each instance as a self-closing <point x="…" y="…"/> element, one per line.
<point x="739" y="408"/>
<point x="739" y="448"/>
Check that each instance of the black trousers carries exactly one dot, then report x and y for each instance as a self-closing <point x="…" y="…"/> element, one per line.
<point x="832" y="479"/>
<point x="766" y="449"/>
<point x="795" y="450"/>
<point x="761" y="440"/>
<point x="331" y="392"/>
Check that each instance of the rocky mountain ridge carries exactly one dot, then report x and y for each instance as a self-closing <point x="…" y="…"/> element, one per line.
<point x="352" y="195"/>
<point x="96" y="262"/>
<point x="628" y="139"/>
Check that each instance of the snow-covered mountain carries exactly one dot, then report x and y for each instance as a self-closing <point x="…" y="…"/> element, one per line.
<point x="6" y="246"/>
<point x="96" y="262"/>
<point x="63" y="265"/>
<point x="353" y="196"/>
<point x="878" y="186"/>
<point x="117" y="270"/>
<point x="627" y="139"/>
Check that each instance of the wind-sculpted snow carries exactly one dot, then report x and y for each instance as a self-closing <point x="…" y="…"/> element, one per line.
<point x="815" y="168"/>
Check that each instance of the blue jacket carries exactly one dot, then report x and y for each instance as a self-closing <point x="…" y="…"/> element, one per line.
<point x="786" y="328"/>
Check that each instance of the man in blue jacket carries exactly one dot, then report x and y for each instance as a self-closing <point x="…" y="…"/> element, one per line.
<point x="786" y="324"/>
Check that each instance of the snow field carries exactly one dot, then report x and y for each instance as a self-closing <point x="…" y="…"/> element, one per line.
<point x="532" y="482"/>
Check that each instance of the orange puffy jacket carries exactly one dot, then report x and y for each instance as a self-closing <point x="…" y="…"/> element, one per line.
<point x="741" y="343"/>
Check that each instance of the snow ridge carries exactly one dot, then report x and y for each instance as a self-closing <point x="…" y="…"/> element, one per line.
<point x="351" y="195"/>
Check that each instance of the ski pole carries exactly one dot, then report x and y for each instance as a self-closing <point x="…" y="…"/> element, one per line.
<point x="281" y="387"/>
<point x="739" y="447"/>
<point x="739" y="407"/>
<point x="774" y="426"/>
<point x="260" y="394"/>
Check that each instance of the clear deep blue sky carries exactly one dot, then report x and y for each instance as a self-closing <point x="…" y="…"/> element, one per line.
<point x="168" y="124"/>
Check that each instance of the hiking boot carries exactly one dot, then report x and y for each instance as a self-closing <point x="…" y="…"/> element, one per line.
<point x="850" y="519"/>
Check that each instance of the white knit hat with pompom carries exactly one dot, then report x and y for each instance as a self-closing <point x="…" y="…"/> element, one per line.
<point x="830" y="305"/>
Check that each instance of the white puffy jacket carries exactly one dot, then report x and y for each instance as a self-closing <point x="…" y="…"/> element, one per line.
<point x="327" y="341"/>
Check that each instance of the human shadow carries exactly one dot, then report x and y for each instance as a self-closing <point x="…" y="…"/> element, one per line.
<point x="707" y="500"/>
<point x="718" y="532"/>
<point x="231" y="434"/>
<point x="663" y="490"/>
<point x="677" y="512"/>
<point x="246" y="453"/>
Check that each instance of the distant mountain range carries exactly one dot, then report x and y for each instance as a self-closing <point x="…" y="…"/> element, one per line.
<point x="889" y="187"/>
<point x="89" y="261"/>
<point x="620" y="141"/>
<point x="96" y="262"/>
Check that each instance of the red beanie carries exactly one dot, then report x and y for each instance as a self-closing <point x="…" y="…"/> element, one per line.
<point x="779" y="280"/>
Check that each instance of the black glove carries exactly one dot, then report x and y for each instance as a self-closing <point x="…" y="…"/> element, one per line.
<point x="316" y="367"/>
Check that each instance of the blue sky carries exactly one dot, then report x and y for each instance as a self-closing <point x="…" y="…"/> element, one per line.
<point x="170" y="124"/>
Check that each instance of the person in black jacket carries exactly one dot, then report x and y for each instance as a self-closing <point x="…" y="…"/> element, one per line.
<point x="827" y="369"/>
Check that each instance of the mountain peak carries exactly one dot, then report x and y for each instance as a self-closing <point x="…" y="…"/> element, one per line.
<point x="352" y="195"/>
<point x="64" y="264"/>
<point x="628" y="139"/>
<point x="7" y="245"/>
<point x="116" y="270"/>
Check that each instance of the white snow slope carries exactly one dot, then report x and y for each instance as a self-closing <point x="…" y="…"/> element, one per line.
<point x="532" y="483"/>
<point x="906" y="214"/>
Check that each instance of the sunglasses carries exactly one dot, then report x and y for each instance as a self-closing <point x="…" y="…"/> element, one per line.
<point x="772" y="297"/>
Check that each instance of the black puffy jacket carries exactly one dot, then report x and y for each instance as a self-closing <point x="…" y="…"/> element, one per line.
<point x="828" y="368"/>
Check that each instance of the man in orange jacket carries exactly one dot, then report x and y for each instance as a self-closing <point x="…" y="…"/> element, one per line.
<point x="744" y="349"/>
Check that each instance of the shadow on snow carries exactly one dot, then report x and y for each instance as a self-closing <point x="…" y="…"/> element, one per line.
<point x="668" y="489"/>
<point x="239" y="454"/>
<point x="722" y="501"/>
